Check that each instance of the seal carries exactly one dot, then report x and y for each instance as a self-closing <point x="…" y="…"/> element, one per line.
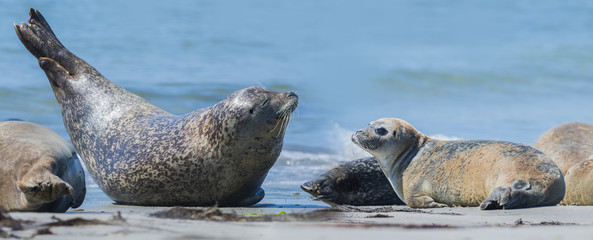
<point x="579" y="182"/>
<point x="567" y="144"/>
<point x="428" y="173"/>
<point x="142" y="155"/>
<point x="358" y="183"/>
<point x="39" y="170"/>
<point x="570" y="145"/>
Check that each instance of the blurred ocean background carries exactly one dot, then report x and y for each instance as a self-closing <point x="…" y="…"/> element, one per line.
<point x="507" y="70"/>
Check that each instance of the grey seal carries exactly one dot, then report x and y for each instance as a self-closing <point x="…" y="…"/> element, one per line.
<point x="142" y="155"/>
<point x="428" y="173"/>
<point x="358" y="183"/>
<point x="570" y="145"/>
<point x="39" y="170"/>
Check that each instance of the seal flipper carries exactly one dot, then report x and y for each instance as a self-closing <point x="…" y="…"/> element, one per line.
<point x="40" y="40"/>
<point x="424" y="202"/>
<point x="40" y="185"/>
<point x="54" y="71"/>
<point x="520" y="195"/>
<point x="39" y="188"/>
<point x="497" y="198"/>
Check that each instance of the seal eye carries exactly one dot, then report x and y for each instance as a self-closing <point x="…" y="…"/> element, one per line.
<point x="251" y="111"/>
<point x="381" y="131"/>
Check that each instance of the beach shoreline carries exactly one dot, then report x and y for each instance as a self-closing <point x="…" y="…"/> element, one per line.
<point x="135" y="222"/>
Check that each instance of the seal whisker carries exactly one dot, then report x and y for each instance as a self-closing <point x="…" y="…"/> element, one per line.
<point x="285" y="121"/>
<point x="276" y="125"/>
<point x="282" y="126"/>
<point x="281" y="116"/>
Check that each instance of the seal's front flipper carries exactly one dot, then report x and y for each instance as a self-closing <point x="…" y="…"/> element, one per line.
<point x="520" y="195"/>
<point x="497" y="199"/>
<point x="42" y="188"/>
<point x="424" y="202"/>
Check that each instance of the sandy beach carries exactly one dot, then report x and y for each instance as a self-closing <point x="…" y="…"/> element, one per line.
<point x="132" y="222"/>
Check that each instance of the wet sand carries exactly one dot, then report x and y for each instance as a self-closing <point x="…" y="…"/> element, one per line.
<point x="399" y="222"/>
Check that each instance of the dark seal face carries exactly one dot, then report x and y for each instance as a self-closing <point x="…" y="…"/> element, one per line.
<point x="359" y="183"/>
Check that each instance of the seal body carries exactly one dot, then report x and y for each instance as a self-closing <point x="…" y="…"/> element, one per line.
<point x="579" y="184"/>
<point x="570" y="145"/>
<point x="39" y="170"/>
<point x="142" y="155"/>
<point x="491" y="174"/>
<point x="359" y="183"/>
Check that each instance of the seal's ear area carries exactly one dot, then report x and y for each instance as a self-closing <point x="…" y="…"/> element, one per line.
<point x="54" y="71"/>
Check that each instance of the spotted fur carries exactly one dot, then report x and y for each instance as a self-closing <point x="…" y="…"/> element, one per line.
<point x="140" y="154"/>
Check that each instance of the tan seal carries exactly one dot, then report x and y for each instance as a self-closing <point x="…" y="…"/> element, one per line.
<point x="570" y="145"/>
<point x="140" y="154"/>
<point x="429" y="173"/>
<point x="39" y="170"/>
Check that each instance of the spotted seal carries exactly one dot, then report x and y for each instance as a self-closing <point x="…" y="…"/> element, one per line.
<point x="570" y="145"/>
<point x="429" y="173"/>
<point x="359" y="183"/>
<point x="39" y="170"/>
<point x="142" y="155"/>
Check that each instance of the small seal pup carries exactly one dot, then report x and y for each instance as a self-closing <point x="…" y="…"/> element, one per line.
<point x="142" y="155"/>
<point x="359" y="183"/>
<point x="39" y="170"/>
<point x="428" y="173"/>
<point x="570" y="145"/>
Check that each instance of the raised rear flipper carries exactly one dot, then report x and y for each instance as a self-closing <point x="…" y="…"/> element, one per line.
<point x="54" y="58"/>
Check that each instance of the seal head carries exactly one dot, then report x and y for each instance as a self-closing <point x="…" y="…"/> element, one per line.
<point x="359" y="183"/>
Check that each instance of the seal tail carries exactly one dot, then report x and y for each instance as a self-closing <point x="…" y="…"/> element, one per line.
<point x="40" y="40"/>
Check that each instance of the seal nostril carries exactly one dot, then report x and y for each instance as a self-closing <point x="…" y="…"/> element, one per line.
<point x="292" y="95"/>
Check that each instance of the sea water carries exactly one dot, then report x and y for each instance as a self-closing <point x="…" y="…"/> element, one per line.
<point x="507" y="70"/>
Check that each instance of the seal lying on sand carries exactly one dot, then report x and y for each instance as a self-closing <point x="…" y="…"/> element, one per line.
<point x="570" y="145"/>
<point x="491" y="174"/>
<point x="139" y="154"/>
<point x="39" y="170"/>
<point x="359" y="183"/>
